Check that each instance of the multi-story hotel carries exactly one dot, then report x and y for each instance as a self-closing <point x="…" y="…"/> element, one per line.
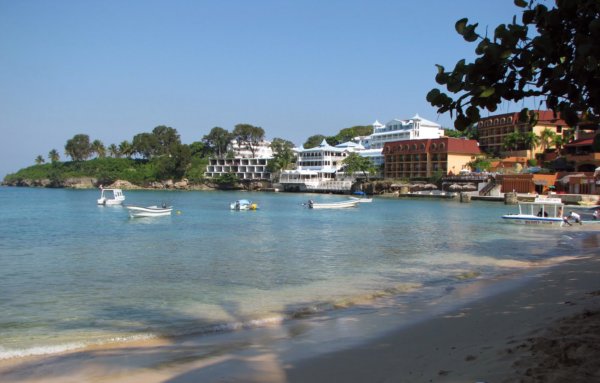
<point x="317" y="169"/>
<point x="494" y="129"/>
<point x="244" y="165"/>
<point x="426" y="157"/>
<point x="253" y="169"/>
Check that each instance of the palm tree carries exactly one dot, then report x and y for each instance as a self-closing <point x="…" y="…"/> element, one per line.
<point x="39" y="160"/>
<point x="98" y="148"/>
<point x="531" y="141"/>
<point x="547" y="137"/>
<point x="561" y="140"/>
<point x="512" y="141"/>
<point x="54" y="156"/>
<point x="126" y="149"/>
<point x="113" y="151"/>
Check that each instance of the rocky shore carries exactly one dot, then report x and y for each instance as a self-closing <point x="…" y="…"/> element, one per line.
<point x="93" y="183"/>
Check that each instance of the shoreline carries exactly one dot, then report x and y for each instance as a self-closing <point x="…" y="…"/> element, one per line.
<point x="488" y="336"/>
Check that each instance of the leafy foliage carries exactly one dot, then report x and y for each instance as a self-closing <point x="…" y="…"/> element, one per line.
<point x="560" y="63"/>
<point x="218" y="140"/>
<point x="79" y="147"/>
<point x="348" y="134"/>
<point x="480" y="163"/>
<point x="313" y="141"/>
<point x="283" y="155"/>
<point x="249" y="136"/>
<point x="355" y="163"/>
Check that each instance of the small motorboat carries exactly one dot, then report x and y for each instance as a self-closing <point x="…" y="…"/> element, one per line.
<point x="148" y="211"/>
<point x="332" y="205"/>
<point x="243" y="204"/>
<point x="550" y="212"/>
<point x="111" y="197"/>
<point x="362" y="197"/>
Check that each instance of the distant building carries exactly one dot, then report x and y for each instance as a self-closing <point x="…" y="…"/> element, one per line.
<point x="395" y="130"/>
<point x="425" y="157"/>
<point x="317" y="169"/>
<point x="398" y="130"/>
<point x="262" y="150"/>
<point x="493" y="131"/>
<point x="252" y="169"/>
<point x="580" y="153"/>
<point x="244" y="164"/>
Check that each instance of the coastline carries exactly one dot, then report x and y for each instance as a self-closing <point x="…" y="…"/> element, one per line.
<point x="500" y="336"/>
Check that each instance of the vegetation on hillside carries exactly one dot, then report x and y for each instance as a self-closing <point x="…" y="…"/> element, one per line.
<point x="160" y="155"/>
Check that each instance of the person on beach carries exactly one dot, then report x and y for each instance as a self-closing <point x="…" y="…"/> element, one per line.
<point x="596" y="214"/>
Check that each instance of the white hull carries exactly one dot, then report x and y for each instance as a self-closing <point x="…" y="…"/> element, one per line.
<point x="105" y="197"/>
<point x="243" y="205"/>
<point x="333" y="205"/>
<point x="522" y="219"/>
<point x="150" y="211"/>
<point x="362" y="200"/>
<point x="109" y="202"/>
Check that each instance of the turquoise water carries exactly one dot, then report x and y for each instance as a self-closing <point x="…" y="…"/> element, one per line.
<point x="74" y="274"/>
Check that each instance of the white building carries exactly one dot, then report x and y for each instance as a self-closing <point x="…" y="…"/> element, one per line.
<point x="262" y="150"/>
<point x="317" y="169"/>
<point x="244" y="165"/>
<point x="397" y="130"/>
<point x="254" y="169"/>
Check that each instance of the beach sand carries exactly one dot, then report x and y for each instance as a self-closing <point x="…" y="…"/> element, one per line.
<point x="545" y="327"/>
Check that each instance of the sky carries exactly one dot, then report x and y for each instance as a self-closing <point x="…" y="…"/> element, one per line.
<point x="114" y="68"/>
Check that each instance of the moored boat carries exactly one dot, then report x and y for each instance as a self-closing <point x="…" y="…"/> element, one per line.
<point x="243" y="204"/>
<point x="333" y="205"/>
<point x="111" y="197"/>
<point x="148" y="211"/>
<point x="546" y="211"/>
<point x="362" y="197"/>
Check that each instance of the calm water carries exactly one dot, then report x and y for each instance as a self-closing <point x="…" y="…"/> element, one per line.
<point x="73" y="273"/>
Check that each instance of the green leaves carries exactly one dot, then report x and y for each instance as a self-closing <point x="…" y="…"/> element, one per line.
<point x="521" y="3"/>
<point x="556" y="60"/>
<point x="465" y="30"/>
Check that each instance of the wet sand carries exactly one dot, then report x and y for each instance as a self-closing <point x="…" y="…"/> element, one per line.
<point x="543" y="327"/>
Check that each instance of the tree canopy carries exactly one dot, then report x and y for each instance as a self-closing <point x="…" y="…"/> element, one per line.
<point x="355" y="163"/>
<point x="249" y="136"/>
<point x="218" y="140"/>
<point x="348" y="134"/>
<point x="79" y="147"/>
<point x="283" y="154"/>
<point x="313" y="141"/>
<point x="552" y="55"/>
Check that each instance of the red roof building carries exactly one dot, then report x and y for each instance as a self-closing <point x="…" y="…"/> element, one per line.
<point x="426" y="157"/>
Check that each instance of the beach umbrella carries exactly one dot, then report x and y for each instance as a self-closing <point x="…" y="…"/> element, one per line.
<point x="469" y="187"/>
<point x="455" y="187"/>
<point x="430" y="186"/>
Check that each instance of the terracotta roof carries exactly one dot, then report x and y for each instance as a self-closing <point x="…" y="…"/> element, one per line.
<point x="457" y="145"/>
<point x="584" y="142"/>
<point x="452" y="145"/>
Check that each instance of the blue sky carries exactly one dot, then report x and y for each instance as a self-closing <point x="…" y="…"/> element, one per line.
<point x="112" y="69"/>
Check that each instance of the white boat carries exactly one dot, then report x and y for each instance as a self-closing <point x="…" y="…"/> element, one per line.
<point x="111" y="197"/>
<point x="148" y="211"/>
<point x="545" y="211"/>
<point x="363" y="197"/>
<point x="333" y="205"/>
<point x="243" y="204"/>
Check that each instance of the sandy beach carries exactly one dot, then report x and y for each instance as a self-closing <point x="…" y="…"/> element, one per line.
<point x="543" y="326"/>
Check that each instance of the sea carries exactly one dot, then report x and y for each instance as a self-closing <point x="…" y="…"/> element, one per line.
<point x="74" y="274"/>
